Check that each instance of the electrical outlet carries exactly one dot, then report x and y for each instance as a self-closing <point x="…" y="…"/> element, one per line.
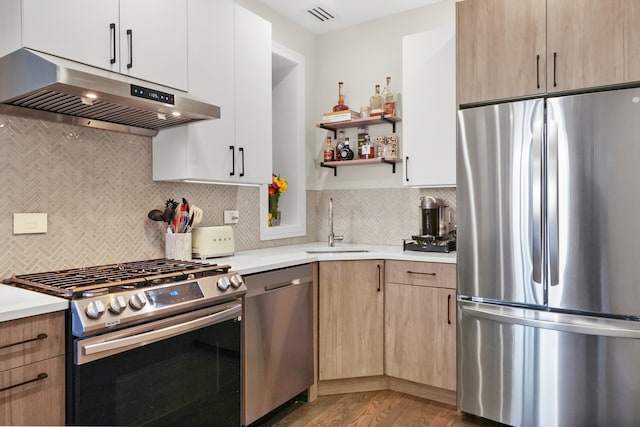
<point x="29" y="223"/>
<point x="231" y="217"/>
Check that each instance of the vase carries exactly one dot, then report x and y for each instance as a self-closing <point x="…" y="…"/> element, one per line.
<point x="275" y="219"/>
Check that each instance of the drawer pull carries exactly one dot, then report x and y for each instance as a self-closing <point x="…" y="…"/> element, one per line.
<point x="40" y="377"/>
<point x="39" y="337"/>
<point x="448" y="309"/>
<point x="420" y="272"/>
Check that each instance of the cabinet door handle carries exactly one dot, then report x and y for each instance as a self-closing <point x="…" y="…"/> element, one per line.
<point x="406" y="168"/>
<point x="555" y="57"/>
<point x="40" y="377"/>
<point x="39" y="337"/>
<point x="241" y="150"/>
<point x="379" y="277"/>
<point x="130" y="40"/>
<point x="112" y="29"/>
<point x="420" y="272"/>
<point x="538" y="71"/>
<point x="233" y="160"/>
<point x="449" y="309"/>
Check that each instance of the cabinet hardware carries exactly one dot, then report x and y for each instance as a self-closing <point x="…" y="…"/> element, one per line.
<point x="449" y="309"/>
<point x="233" y="160"/>
<point x="39" y="337"/>
<point x="241" y="150"/>
<point x="130" y="40"/>
<point x="41" y="376"/>
<point x="379" y="274"/>
<point x="555" y="56"/>
<point x="406" y="168"/>
<point x="112" y="29"/>
<point x="420" y="272"/>
<point x="538" y="71"/>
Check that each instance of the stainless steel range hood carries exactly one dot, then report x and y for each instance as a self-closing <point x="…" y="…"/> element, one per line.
<point x="46" y="87"/>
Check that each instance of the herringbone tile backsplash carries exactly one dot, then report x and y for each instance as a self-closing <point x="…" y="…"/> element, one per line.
<point x="96" y="188"/>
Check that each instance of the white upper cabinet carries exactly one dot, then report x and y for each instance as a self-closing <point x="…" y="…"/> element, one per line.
<point x="229" y="66"/>
<point x="429" y="105"/>
<point x="146" y="39"/>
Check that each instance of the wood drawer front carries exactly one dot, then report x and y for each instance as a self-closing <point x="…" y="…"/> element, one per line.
<point x="433" y="274"/>
<point x="23" y="346"/>
<point x="39" y="402"/>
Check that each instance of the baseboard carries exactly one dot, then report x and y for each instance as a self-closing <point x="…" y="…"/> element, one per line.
<point x="424" y="391"/>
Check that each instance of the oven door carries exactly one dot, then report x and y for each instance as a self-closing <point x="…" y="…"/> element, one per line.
<point x="184" y="370"/>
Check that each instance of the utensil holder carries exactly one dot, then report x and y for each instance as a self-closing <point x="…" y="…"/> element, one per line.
<point x="177" y="246"/>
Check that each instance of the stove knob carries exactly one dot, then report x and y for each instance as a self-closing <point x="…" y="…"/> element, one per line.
<point x="95" y="309"/>
<point x="223" y="283"/>
<point x="138" y="301"/>
<point x="117" y="305"/>
<point x="236" y="281"/>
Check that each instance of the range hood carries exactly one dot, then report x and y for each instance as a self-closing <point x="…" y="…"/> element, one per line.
<point x="47" y="87"/>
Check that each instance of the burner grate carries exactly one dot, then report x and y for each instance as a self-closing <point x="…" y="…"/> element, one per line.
<point x="73" y="282"/>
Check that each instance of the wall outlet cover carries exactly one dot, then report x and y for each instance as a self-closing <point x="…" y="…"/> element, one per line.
<point x="29" y="223"/>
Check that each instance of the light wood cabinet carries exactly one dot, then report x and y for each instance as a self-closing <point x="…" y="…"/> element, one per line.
<point x="351" y="319"/>
<point x="509" y="49"/>
<point x="420" y="327"/>
<point x="32" y="367"/>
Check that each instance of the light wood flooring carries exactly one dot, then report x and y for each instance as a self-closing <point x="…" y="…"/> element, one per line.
<point x="373" y="409"/>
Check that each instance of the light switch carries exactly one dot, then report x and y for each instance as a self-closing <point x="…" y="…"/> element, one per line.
<point x="29" y="223"/>
<point x="231" y="217"/>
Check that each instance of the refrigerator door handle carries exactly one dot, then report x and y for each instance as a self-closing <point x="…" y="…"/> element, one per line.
<point x="552" y="200"/>
<point x="536" y="202"/>
<point x="577" y="324"/>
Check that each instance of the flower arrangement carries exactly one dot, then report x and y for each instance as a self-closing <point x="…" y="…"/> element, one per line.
<point x="278" y="186"/>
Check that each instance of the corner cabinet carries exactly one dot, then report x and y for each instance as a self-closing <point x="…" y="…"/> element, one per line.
<point x="509" y="49"/>
<point x="420" y="323"/>
<point x="230" y="66"/>
<point x="351" y="319"/>
<point x="429" y="104"/>
<point x="32" y="370"/>
<point x="146" y="39"/>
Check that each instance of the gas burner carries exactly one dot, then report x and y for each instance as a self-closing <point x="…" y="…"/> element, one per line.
<point x="95" y="293"/>
<point x="429" y="244"/>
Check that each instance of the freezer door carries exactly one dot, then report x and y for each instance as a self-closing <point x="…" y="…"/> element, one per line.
<point x="594" y="208"/>
<point x="536" y="368"/>
<point x="499" y="176"/>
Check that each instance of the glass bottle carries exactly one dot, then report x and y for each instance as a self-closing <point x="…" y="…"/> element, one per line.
<point x="340" y="105"/>
<point x="389" y="105"/>
<point x="365" y="148"/>
<point x="328" y="154"/>
<point x="346" y="153"/>
<point x="376" y="103"/>
<point x="339" y="145"/>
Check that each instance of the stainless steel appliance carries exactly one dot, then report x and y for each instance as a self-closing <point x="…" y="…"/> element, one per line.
<point x="48" y="87"/>
<point x="549" y="260"/>
<point x="150" y="342"/>
<point x="278" y="339"/>
<point x="435" y="235"/>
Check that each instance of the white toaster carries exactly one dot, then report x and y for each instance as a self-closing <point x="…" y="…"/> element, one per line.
<point x="211" y="242"/>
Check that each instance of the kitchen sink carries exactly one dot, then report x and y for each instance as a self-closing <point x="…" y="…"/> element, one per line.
<point x="331" y="250"/>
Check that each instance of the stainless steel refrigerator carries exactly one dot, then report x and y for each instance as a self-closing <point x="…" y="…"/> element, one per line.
<point x="548" y="217"/>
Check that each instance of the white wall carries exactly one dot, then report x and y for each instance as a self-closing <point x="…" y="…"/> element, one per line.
<point x="362" y="56"/>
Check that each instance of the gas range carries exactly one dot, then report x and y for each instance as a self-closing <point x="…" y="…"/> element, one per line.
<point x="430" y="244"/>
<point x="109" y="297"/>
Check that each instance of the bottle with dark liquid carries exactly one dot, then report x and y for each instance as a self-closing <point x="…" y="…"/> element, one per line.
<point x="340" y="105"/>
<point x="328" y="150"/>
<point x="346" y="153"/>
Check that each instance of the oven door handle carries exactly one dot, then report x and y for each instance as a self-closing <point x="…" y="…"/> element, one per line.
<point x="123" y="344"/>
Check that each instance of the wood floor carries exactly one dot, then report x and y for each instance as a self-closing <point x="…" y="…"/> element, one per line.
<point x="376" y="408"/>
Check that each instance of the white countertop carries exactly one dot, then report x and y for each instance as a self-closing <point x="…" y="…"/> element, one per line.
<point x="16" y="303"/>
<point x="258" y="260"/>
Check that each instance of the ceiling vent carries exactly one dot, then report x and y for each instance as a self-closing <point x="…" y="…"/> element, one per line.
<point x="322" y="13"/>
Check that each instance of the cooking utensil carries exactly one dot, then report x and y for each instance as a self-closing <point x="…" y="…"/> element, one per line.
<point x="156" y="215"/>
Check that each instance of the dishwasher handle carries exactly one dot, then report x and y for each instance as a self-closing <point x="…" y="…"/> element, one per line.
<point x="293" y="282"/>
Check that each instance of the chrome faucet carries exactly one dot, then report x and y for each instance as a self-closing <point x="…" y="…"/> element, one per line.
<point x="332" y="237"/>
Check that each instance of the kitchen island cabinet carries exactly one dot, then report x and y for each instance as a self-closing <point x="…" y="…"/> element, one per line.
<point x="351" y="321"/>
<point x="420" y="327"/>
<point x="146" y="39"/>
<point x="230" y="66"/>
<point x="32" y="370"/>
<point x="508" y="49"/>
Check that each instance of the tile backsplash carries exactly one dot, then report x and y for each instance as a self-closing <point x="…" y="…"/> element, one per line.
<point x="96" y="188"/>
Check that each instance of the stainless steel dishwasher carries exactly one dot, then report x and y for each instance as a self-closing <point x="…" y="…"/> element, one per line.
<point x="278" y="339"/>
